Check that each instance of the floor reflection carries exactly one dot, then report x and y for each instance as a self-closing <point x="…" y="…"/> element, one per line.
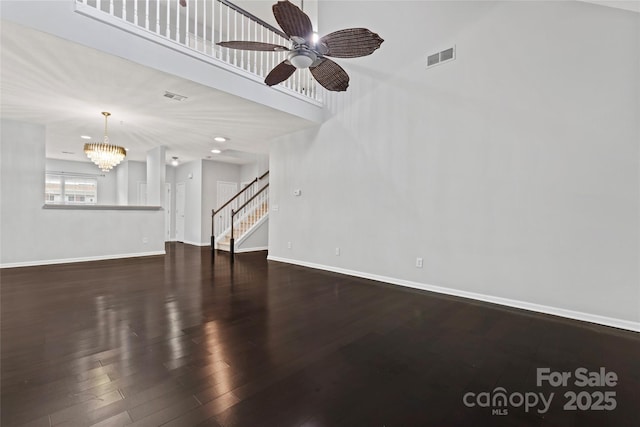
<point x="182" y="341"/>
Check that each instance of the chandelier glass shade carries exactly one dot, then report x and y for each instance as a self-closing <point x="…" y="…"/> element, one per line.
<point x="104" y="154"/>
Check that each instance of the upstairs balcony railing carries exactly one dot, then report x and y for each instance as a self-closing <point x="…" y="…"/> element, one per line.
<point x="201" y="24"/>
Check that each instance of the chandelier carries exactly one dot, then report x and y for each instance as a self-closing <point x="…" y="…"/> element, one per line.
<point x="104" y="154"/>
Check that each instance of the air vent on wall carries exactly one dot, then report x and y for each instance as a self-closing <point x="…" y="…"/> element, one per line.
<point x="440" y="57"/>
<point x="174" y="96"/>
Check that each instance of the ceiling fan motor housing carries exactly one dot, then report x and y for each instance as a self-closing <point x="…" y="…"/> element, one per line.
<point x="302" y="57"/>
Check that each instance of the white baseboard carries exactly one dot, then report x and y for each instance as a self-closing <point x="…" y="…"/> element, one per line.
<point x="571" y="314"/>
<point x="81" y="259"/>
<point x="186" y="242"/>
<point x="259" y="248"/>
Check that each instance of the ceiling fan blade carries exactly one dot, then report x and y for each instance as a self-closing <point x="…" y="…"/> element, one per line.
<point x="330" y="75"/>
<point x="280" y="73"/>
<point x="242" y="45"/>
<point x="292" y="20"/>
<point x="349" y="43"/>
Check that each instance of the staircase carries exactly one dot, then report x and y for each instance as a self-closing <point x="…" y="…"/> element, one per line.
<point x="243" y="227"/>
<point x="240" y="216"/>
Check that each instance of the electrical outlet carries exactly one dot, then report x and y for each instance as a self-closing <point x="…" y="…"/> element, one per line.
<point x="418" y="262"/>
<point x="288" y="245"/>
<point x="337" y="251"/>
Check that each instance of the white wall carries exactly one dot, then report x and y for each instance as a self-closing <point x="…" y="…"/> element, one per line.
<point x="251" y="171"/>
<point x="33" y="235"/>
<point x="137" y="173"/>
<point x="129" y="175"/>
<point x="512" y="171"/>
<point x="122" y="183"/>
<point x="107" y="182"/>
<point x="156" y="169"/>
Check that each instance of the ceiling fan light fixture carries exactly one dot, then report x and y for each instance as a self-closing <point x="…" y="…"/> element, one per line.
<point x="302" y="58"/>
<point x="174" y="161"/>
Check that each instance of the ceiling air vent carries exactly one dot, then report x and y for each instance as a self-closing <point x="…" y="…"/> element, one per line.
<point x="440" y="57"/>
<point x="174" y="96"/>
<point x="433" y="59"/>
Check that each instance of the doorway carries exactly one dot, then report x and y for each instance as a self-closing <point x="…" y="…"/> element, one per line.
<point x="180" y="208"/>
<point x="167" y="212"/>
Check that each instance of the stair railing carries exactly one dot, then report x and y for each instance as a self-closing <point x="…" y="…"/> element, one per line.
<point x="221" y="217"/>
<point x="250" y="207"/>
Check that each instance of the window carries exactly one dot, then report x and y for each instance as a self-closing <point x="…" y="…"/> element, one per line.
<point x="70" y="190"/>
<point x="53" y="189"/>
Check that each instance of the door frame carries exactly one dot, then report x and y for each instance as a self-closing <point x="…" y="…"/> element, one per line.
<point x="178" y="210"/>
<point x="168" y="211"/>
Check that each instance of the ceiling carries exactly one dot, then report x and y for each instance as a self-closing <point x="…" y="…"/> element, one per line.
<point x="66" y="86"/>
<point x="632" y="5"/>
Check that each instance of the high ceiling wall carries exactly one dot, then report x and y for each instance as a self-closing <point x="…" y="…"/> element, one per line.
<point x="512" y="171"/>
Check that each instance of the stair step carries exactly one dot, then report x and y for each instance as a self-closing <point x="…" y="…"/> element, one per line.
<point x="244" y="226"/>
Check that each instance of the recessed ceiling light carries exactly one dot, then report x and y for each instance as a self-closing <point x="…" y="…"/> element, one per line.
<point x="85" y="137"/>
<point x="216" y="151"/>
<point x="126" y="148"/>
<point x="221" y="139"/>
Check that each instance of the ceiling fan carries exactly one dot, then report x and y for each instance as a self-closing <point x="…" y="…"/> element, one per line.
<point x="348" y="43"/>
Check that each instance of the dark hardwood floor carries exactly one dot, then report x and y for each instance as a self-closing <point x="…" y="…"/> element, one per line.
<point x="179" y="341"/>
